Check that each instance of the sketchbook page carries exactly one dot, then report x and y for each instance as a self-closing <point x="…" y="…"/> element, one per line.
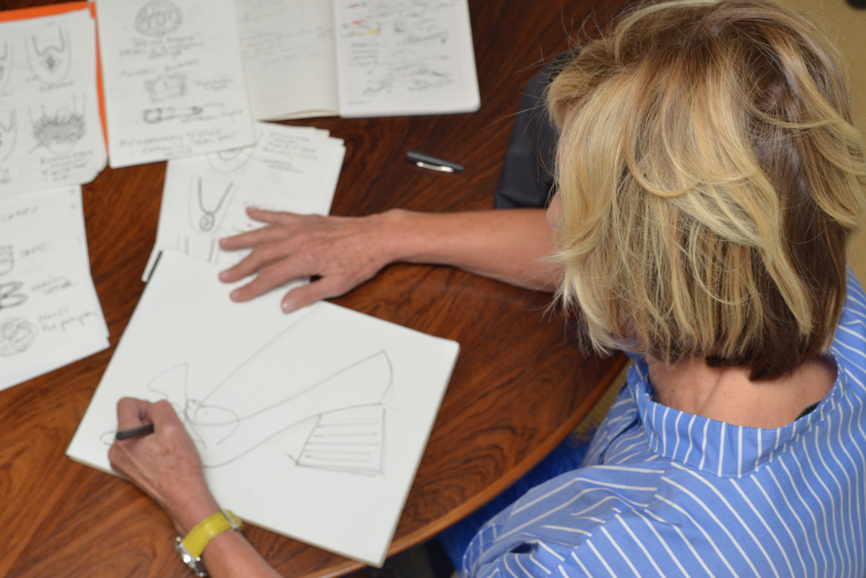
<point x="405" y="57"/>
<point x="49" y="311"/>
<point x="205" y="198"/>
<point x="310" y="424"/>
<point x="173" y="79"/>
<point x="50" y="128"/>
<point x="289" y="60"/>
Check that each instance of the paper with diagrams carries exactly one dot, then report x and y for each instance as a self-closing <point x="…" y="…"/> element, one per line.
<point x="323" y="57"/>
<point x="173" y="79"/>
<point x="205" y="198"/>
<point x="310" y="424"/>
<point x="49" y="312"/>
<point x="50" y="128"/>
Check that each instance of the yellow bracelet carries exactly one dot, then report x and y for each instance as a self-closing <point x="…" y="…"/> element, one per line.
<point x="192" y="546"/>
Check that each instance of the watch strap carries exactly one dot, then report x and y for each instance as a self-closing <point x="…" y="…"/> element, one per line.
<point x="208" y="529"/>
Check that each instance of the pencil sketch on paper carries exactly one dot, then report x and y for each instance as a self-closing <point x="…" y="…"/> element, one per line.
<point x="7" y="259"/>
<point x="16" y="336"/>
<point x="60" y="130"/>
<point x="50" y="56"/>
<point x="158" y="18"/>
<point x="229" y="161"/>
<point x="208" y="204"/>
<point x="11" y="296"/>
<point x="159" y="115"/>
<point x="334" y="421"/>
<point x="5" y="64"/>
<point x="8" y="136"/>
<point x="410" y="77"/>
<point x="269" y="11"/>
<point x="166" y="87"/>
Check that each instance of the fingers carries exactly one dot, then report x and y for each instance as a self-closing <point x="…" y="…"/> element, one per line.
<point x="276" y="220"/>
<point x="324" y="288"/>
<point x="132" y="413"/>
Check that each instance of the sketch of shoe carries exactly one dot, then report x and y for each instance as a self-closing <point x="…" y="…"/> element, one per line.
<point x="5" y="64"/>
<point x="8" y="136"/>
<point x="49" y="55"/>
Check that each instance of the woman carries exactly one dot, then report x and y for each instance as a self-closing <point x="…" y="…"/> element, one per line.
<point x="708" y="180"/>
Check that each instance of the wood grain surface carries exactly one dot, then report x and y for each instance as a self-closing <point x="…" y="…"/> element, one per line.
<point x="520" y="385"/>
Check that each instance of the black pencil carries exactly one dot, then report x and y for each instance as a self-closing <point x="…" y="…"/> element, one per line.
<point x="135" y="432"/>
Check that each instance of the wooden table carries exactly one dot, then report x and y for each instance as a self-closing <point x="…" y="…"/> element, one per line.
<point x="518" y="388"/>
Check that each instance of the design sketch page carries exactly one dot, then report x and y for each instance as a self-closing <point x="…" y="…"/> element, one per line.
<point x="173" y="79"/>
<point x="289" y="59"/>
<point x="50" y="128"/>
<point x="49" y="312"/>
<point x="306" y="423"/>
<point x="205" y="198"/>
<point x="405" y="57"/>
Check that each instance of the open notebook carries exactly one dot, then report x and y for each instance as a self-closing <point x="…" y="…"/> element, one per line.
<point x="305" y="58"/>
<point x="310" y="424"/>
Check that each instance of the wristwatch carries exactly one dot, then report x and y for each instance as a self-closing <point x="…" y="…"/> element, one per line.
<point x="191" y="546"/>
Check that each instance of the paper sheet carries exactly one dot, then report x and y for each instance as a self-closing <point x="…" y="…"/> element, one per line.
<point x="310" y="424"/>
<point x="205" y="198"/>
<point x="49" y="312"/>
<point x="173" y="79"/>
<point x="289" y="60"/>
<point x="50" y="129"/>
<point x="405" y="57"/>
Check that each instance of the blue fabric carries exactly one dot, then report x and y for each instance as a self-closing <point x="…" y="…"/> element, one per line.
<point x="567" y="456"/>
<point x="666" y="493"/>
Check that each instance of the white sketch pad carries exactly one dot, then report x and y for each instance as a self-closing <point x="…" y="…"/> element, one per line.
<point x="173" y="79"/>
<point x="311" y="424"/>
<point x="50" y="128"/>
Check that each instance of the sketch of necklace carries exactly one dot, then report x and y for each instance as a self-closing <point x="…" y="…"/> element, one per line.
<point x="50" y="64"/>
<point x="5" y="65"/>
<point x="208" y="220"/>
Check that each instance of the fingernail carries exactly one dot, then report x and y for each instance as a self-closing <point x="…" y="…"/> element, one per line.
<point x="289" y="305"/>
<point x="224" y="275"/>
<point x="235" y="294"/>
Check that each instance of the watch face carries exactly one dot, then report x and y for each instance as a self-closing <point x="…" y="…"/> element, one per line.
<point x="190" y="560"/>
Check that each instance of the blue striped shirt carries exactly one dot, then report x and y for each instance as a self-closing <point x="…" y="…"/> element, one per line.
<point x="667" y="493"/>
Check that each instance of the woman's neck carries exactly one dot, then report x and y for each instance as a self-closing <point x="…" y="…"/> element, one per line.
<point x="726" y="393"/>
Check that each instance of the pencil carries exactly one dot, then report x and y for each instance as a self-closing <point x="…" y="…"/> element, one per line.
<point x="135" y="432"/>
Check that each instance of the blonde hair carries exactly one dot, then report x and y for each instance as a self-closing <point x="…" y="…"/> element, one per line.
<point x="710" y="182"/>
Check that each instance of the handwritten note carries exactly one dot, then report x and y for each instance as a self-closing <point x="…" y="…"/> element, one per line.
<point x="49" y="312"/>
<point x="173" y="78"/>
<point x="405" y="57"/>
<point x="50" y="130"/>
<point x="204" y="198"/>
<point x="289" y="60"/>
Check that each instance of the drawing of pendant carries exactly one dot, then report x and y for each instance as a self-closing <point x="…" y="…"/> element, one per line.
<point x="52" y="63"/>
<point x="60" y="130"/>
<point x="8" y="136"/>
<point x="231" y="160"/>
<point x="16" y="336"/>
<point x="205" y="215"/>
<point x="5" y="65"/>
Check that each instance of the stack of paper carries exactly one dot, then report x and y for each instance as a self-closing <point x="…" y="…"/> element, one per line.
<point x="49" y="311"/>
<point x="204" y="198"/>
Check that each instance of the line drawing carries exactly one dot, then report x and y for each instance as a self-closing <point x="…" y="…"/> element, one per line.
<point x="7" y="259"/>
<point x="231" y="160"/>
<point x="61" y="131"/>
<point x="333" y="420"/>
<point x="207" y="210"/>
<point x="51" y="63"/>
<point x="166" y="87"/>
<point x="10" y="295"/>
<point x="158" y="18"/>
<point x="16" y="336"/>
<point x="5" y="64"/>
<point x="8" y="136"/>
<point x="410" y="77"/>
<point x="158" y="115"/>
